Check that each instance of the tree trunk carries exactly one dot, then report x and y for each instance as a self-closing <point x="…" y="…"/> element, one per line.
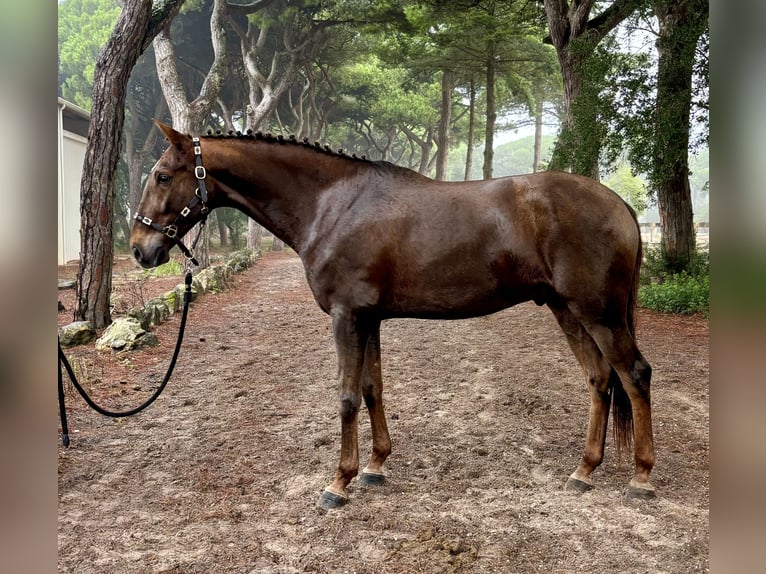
<point x="223" y="232"/>
<point x="190" y="116"/>
<point x="254" y="235"/>
<point x="680" y="24"/>
<point x="442" y="136"/>
<point x="538" y="148"/>
<point x="268" y="79"/>
<point x="136" y="157"/>
<point x="471" y="124"/>
<point x="575" y="36"/>
<point x="424" y="144"/>
<point x="135" y="28"/>
<point x="489" y="132"/>
<point x="110" y="83"/>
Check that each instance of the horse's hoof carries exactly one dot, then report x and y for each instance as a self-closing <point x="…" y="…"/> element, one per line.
<point x="330" y="500"/>
<point x="372" y="478"/>
<point x="643" y="492"/>
<point x="577" y="485"/>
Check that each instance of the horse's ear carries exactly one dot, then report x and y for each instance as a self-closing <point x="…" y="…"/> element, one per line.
<point x="175" y="138"/>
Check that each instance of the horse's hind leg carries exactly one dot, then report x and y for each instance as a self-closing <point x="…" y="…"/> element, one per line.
<point x="372" y="391"/>
<point x="598" y="371"/>
<point x="619" y="348"/>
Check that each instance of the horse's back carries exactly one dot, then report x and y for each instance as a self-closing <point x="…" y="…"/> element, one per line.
<point x="421" y="248"/>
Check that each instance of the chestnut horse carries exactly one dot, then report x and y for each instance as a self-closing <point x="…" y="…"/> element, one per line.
<point x="379" y="241"/>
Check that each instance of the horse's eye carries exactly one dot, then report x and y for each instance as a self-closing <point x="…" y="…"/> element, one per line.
<point x="163" y="178"/>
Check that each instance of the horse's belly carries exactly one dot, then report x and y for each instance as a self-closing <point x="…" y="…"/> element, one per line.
<point x="455" y="299"/>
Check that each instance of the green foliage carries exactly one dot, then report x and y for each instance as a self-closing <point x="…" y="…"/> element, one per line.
<point x="683" y="293"/>
<point x="169" y="269"/>
<point x="647" y="121"/>
<point x="610" y="79"/>
<point x="388" y="94"/>
<point x="657" y="269"/>
<point x="84" y="26"/>
<point x="628" y="186"/>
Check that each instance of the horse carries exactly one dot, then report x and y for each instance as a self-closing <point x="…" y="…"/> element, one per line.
<point x="379" y="241"/>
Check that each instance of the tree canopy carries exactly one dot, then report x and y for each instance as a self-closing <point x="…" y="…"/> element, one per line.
<point x="410" y="82"/>
<point x="84" y="27"/>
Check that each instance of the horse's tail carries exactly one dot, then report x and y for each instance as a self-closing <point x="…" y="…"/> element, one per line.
<point x="622" y="412"/>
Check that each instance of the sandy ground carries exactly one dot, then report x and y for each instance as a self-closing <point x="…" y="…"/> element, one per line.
<point x="487" y="419"/>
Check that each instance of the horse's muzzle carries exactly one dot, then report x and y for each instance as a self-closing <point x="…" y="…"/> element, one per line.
<point x="152" y="258"/>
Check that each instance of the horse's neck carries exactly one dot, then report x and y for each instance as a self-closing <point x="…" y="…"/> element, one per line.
<point x="272" y="184"/>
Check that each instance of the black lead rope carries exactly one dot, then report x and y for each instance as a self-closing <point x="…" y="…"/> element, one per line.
<point x="63" y="361"/>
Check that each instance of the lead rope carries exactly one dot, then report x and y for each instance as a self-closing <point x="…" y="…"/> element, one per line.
<point x="63" y="361"/>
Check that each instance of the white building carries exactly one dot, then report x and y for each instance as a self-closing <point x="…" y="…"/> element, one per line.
<point x="72" y="133"/>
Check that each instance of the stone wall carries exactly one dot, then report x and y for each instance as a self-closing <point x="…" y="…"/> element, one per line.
<point x="132" y="332"/>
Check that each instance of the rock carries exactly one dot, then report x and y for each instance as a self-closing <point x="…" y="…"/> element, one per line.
<point x="125" y="335"/>
<point x="241" y="260"/>
<point x="140" y="314"/>
<point x="173" y="300"/>
<point x="77" y="333"/>
<point x="213" y="279"/>
<point x="197" y="288"/>
<point x="157" y="310"/>
<point x="132" y="332"/>
<point x="66" y="284"/>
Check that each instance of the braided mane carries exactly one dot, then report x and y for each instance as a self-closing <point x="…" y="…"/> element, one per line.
<point x="290" y="140"/>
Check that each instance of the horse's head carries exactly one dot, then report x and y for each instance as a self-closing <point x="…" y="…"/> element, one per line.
<point x="174" y="199"/>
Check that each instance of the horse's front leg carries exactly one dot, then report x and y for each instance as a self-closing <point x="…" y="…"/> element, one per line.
<point x="350" y="342"/>
<point x="372" y="391"/>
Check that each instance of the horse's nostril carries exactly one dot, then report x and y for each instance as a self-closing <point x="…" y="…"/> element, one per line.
<point x="137" y="253"/>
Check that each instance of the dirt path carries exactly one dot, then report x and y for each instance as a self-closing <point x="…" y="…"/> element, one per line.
<point x="487" y="419"/>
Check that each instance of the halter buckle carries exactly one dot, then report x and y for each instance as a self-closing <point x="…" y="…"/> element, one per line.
<point x="199" y="172"/>
<point x="171" y="231"/>
<point x="198" y="193"/>
<point x="185" y="211"/>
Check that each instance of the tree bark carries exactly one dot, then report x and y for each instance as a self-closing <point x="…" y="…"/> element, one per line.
<point x="471" y="125"/>
<point x="538" y="147"/>
<point x="163" y="11"/>
<point x="110" y="83"/>
<point x="254" y="235"/>
<point x="489" y="132"/>
<point x="190" y="116"/>
<point x="442" y="135"/>
<point x="277" y="244"/>
<point x="223" y="232"/>
<point x="94" y="282"/>
<point x="425" y="145"/>
<point x="680" y="26"/>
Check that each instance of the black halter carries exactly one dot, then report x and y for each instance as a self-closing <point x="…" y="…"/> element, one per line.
<point x="200" y="196"/>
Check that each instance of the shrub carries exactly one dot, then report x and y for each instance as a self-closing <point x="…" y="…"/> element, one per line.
<point x="680" y="293"/>
<point x="655" y="268"/>
<point x="684" y="293"/>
